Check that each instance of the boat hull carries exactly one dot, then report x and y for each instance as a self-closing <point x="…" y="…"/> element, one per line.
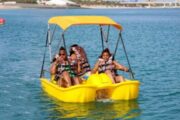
<point x="124" y="91"/>
<point x="127" y="90"/>
<point x="78" y="93"/>
<point x="89" y="91"/>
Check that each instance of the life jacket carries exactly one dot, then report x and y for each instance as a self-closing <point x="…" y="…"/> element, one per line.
<point x="105" y="65"/>
<point x="61" y="67"/>
<point x="64" y="66"/>
<point x="81" y="56"/>
<point x="73" y="65"/>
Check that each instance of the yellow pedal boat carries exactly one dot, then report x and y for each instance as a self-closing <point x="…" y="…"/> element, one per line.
<point x="96" y="84"/>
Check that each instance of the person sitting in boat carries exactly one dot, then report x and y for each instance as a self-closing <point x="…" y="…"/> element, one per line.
<point x="85" y="69"/>
<point x="62" y="70"/>
<point x="106" y="64"/>
<point x="75" y="67"/>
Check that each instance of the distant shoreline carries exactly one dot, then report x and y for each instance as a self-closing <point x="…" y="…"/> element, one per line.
<point x="27" y="5"/>
<point x="123" y="7"/>
<point x="83" y="6"/>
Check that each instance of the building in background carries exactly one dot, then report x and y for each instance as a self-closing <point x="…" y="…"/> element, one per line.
<point x="63" y="3"/>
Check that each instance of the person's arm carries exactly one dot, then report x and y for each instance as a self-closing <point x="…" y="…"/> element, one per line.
<point x="95" y="69"/>
<point x="54" y="65"/>
<point x="53" y="68"/>
<point x="79" y="66"/>
<point x="120" y="67"/>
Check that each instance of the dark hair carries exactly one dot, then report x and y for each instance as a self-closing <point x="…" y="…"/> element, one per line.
<point x="74" y="45"/>
<point x="62" y="48"/>
<point x="53" y="60"/>
<point x="72" y="52"/>
<point x="105" y="50"/>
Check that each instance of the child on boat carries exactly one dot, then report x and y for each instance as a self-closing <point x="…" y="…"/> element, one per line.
<point x="75" y="67"/>
<point x="106" y="64"/>
<point x="85" y="69"/>
<point x="62" y="70"/>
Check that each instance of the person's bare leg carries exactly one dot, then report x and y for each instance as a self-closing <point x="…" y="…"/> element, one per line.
<point x="59" y="82"/>
<point x="80" y="80"/>
<point x="109" y="73"/>
<point x="63" y="83"/>
<point x="76" y="80"/>
<point x="119" y="79"/>
<point x="67" y="78"/>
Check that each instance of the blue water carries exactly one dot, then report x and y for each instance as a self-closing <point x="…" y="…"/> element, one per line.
<point x="152" y="39"/>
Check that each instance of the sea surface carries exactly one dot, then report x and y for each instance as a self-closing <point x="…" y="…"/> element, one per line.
<point x="152" y="40"/>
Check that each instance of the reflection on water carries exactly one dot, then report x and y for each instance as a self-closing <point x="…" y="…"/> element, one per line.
<point x="95" y="110"/>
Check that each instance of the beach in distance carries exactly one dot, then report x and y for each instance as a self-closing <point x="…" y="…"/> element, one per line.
<point x="92" y="6"/>
<point x="27" y="5"/>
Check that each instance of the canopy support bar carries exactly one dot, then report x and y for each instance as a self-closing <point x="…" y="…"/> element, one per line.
<point x="116" y="45"/>
<point x="130" y="69"/>
<point x="44" y="56"/>
<point x="102" y="40"/>
<point x="107" y="37"/>
<point x="49" y="42"/>
<point x="64" y="43"/>
<point x="53" y="33"/>
<point x="59" y="44"/>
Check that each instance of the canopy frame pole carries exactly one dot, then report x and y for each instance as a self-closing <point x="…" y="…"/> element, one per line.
<point x="53" y="33"/>
<point x="63" y="38"/>
<point x="49" y="42"/>
<point x="44" y="57"/>
<point x="130" y="69"/>
<point x="107" y="37"/>
<point x="116" y="45"/>
<point x="59" y="44"/>
<point x="102" y="40"/>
